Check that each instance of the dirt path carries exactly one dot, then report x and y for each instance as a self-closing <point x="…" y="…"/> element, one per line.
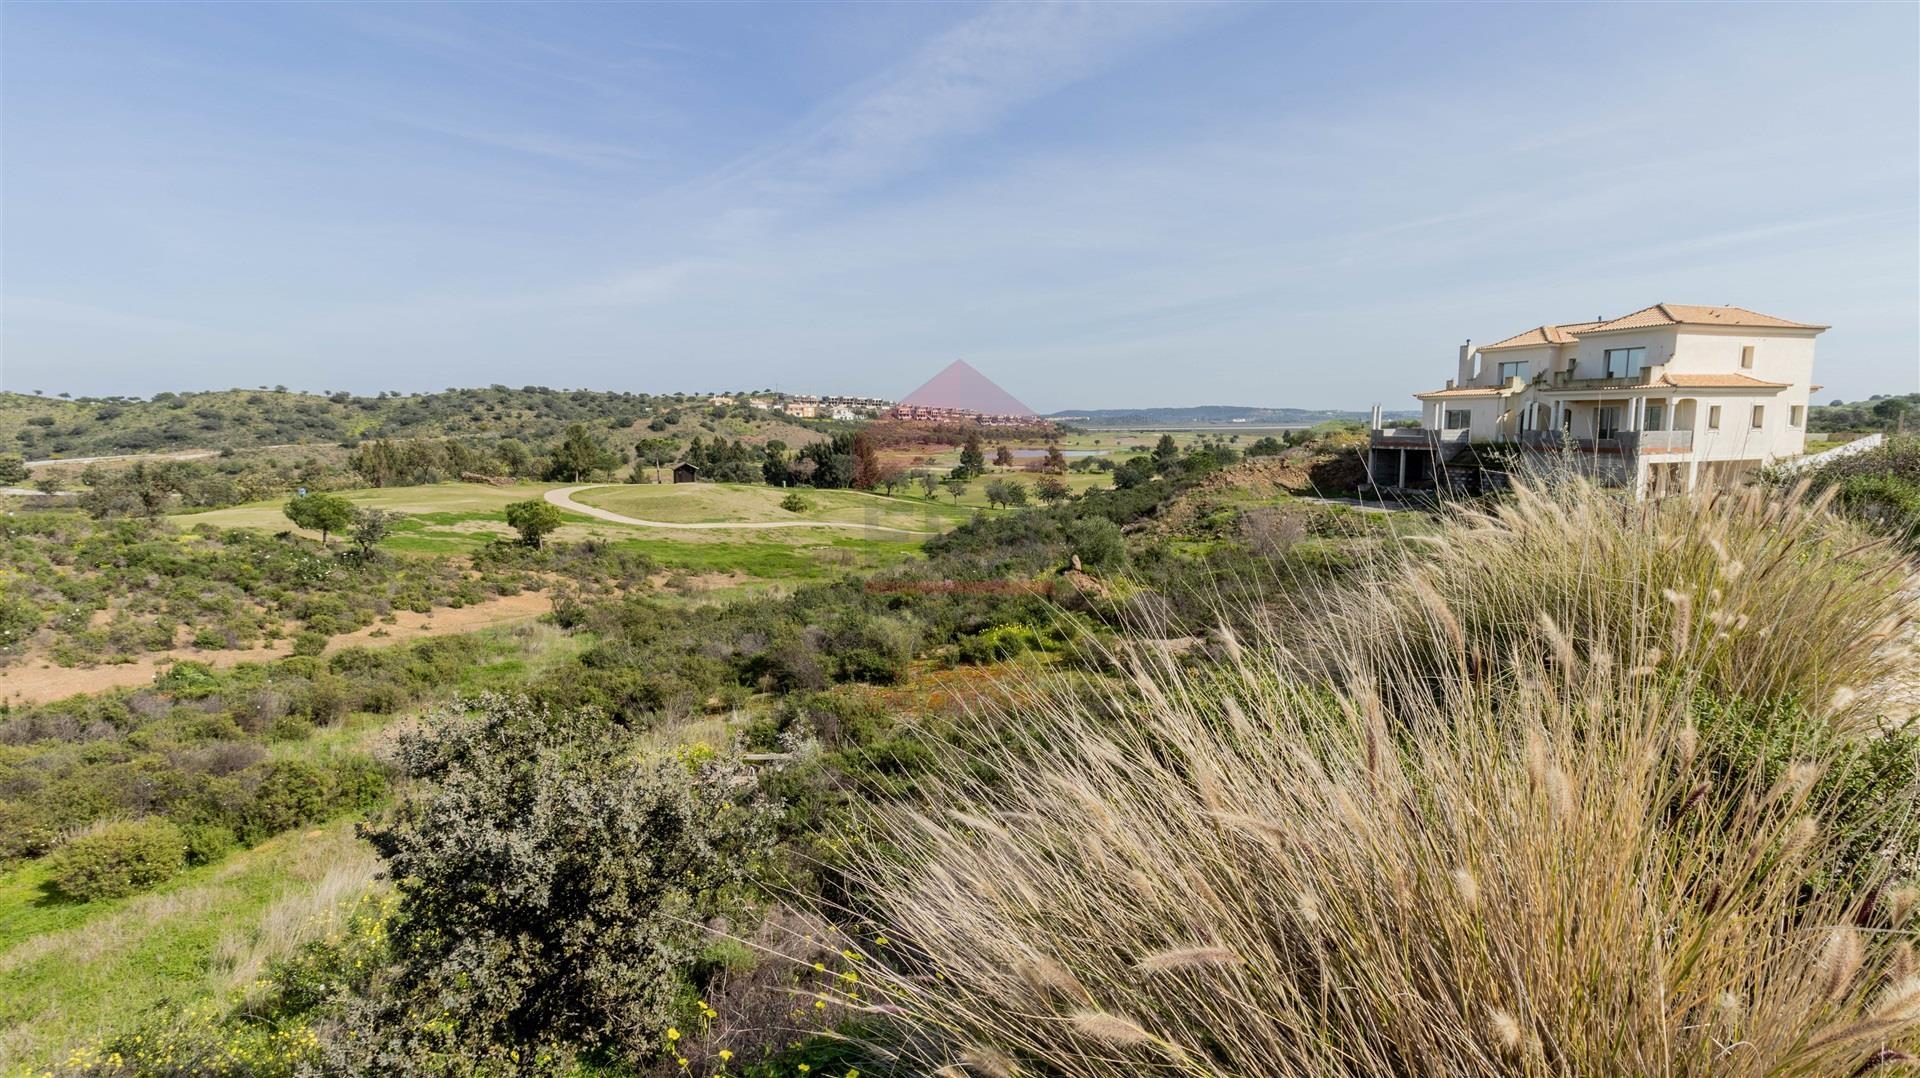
<point x="564" y="499"/>
<point x="37" y="682"/>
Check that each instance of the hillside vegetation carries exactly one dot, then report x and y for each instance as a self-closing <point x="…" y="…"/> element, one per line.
<point x="1179" y="775"/>
<point x="44" y="427"/>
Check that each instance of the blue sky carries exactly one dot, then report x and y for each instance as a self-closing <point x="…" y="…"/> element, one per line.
<point x="1097" y="206"/>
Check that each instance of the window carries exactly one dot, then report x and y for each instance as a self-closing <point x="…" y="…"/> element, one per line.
<point x="1713" y="417"/>
<point x="1625" y="362"/>
<point x="1746" y="358"/>
<point x="1513" y="370"/>
<point x="1458" y="419"/>
<point x="1606" y="421"/>
<point x="1656" y="417"/>
<point x="1759" y="416"/>
<point x="1797" y="415"/>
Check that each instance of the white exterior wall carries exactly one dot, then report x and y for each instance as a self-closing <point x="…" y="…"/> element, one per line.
<point x="1775" y="359"/>
<point x="1737" y="439"/>
<point x="1539" y="359"/>
<point x="1592" y="351"/>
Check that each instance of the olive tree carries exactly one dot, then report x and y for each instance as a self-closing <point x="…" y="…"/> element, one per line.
<point x="533" y="519"/>
<point x="323" y="513"/>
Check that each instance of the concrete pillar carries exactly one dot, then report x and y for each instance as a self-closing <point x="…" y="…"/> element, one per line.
<point x="1403" y="470"/>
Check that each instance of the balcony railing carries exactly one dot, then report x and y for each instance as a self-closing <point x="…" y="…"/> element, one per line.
<point x="1646" y="377"/>
<point x="1625" y="441"/>
<point x="1417" y="437"/>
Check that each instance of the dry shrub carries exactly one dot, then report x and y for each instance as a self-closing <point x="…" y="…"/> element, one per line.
<point x="1471" y="830"/>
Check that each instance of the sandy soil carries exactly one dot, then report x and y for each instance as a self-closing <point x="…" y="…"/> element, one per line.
<point x="34" y="681"/>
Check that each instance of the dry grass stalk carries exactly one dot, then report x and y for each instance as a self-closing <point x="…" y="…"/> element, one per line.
<point x="1454" y="834"/>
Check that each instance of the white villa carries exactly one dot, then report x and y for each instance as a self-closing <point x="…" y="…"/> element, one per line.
<point x="1665" y="399"/>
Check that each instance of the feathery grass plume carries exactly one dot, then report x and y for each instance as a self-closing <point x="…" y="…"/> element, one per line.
<point x="1504" y="1029"/>
<point x="1111" y="1029"/>
<point x="1179" y="958"/>
<point x="1046" y="975"/>
<point x="1901" y="901"/>
<point x="1662" y="910"/>
<point x="1840" y="961"/>
<point x="988" y="1062"/>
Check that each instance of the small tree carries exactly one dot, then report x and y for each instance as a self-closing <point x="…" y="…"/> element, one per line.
<point x="890" y="478"/>
<point x="658" y="452"/>
<point x="323" y="513"/>
<point x="866" y="463"/>
<point x="973" y="460"/>
<point x="1016" y="493"/>
<point x="580" y="455"/>
<point x="533" y="519"/>
<point x="48" y="484"/>
<point x="1051" y="489"/>
<point x="929" y="482"/>
<point x="1056" y="460"/>
<point x="1003" y="457"/>
<point x="371" y="527"/>
<point x="1165" y="449"/>
<point x="515" y="458"/>
<point x="955" y="487"/>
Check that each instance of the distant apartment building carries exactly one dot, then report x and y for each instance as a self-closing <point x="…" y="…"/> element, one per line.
<point x="1663" y="400"/>
<point x="920" y="413"/>
<point x="799" y="407"/>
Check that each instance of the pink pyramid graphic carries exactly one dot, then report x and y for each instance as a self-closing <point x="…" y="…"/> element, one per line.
<point x="962" y="388"/>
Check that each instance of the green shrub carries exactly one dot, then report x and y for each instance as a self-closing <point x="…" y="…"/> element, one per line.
<point x="795" y="503"/>
<point x="552" y="887"/>
<point x="188" y="680"/>
<point x="309" y="643"/>
<point x="207" y="843"/>
<point x="291" y="793"/>
<point x="119" y="859"/>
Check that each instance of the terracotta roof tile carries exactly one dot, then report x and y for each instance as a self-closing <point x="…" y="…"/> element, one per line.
<point x="1684" y="314"/>
<point x="1563" y="333"/>
<point x="1660" y="314"/>
<point x="1718" y="381"/>
<point x="1464" y="391"/>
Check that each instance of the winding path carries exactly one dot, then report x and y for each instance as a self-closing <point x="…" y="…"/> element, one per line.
<point x="563" y="497"/>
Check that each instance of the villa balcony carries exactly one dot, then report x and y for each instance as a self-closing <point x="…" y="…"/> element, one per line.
<point x="1417" y="438"/>
<point x="1564" y="380"/>
<point x="1625" y="441"/>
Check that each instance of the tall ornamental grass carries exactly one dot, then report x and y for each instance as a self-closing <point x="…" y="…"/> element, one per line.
<point x="1470" y="825"/>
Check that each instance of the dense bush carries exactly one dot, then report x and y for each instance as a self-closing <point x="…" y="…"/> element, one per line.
<point x="118" y="859"/>
<point x="552" y="887"/>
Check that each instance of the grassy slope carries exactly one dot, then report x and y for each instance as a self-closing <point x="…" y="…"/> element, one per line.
<point x="740" y="503"/>
<point x="71" y="971"/>
<point x="456" y="518"/>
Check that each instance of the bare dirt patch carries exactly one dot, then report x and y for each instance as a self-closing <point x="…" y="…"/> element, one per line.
<point x="34" y="681"/>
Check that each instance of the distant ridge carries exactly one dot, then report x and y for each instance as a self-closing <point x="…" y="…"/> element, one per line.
<point x="961" y="388"/>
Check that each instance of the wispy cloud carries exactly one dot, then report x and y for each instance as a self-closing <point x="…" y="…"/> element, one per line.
<point x="959" y="84"/>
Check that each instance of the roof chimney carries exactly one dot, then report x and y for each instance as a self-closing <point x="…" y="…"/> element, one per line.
<point x="1465" y="374"/>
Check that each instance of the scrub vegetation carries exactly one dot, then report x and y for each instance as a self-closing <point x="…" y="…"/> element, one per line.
<point x="1176" y="774"/>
